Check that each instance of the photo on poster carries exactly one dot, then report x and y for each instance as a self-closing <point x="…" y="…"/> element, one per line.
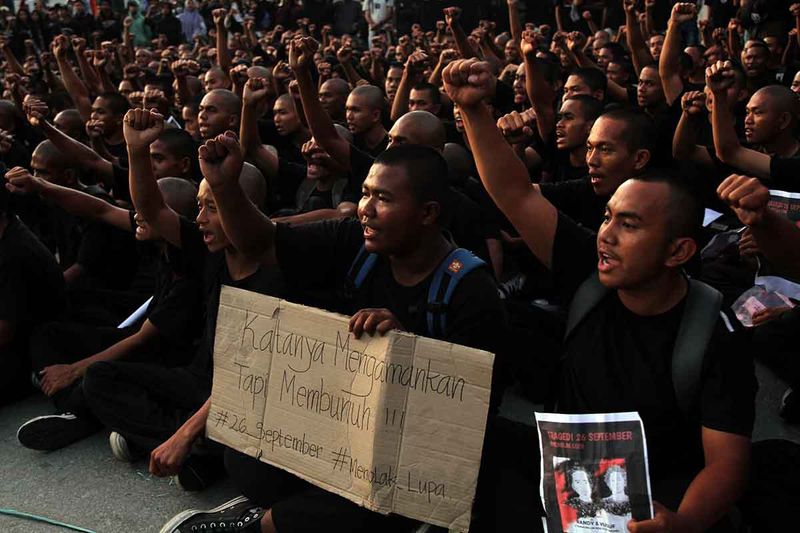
<point x="594" y="472"/>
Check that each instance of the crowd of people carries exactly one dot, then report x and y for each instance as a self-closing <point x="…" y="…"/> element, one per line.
<point x="153" y="152"/>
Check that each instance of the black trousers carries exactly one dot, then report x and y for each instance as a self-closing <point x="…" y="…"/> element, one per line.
<point x="144" y="402"/>
<point x="300" y="507"/>
<point x="65" y="343"/>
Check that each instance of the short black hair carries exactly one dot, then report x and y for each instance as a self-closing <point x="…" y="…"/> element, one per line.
<point x="436" y="96"/>
<point x="426" y="170"/>
<point x="594" y="78"/>
<point x="685" y="210"/>
<point x="180" y="144"/>
<point x="616" y="49"/>
<point x="640" y="130"/>
<point x="592" y="107"/>
<point x="117" y="103"/>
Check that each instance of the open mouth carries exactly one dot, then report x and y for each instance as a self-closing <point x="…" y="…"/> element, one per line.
<point x="606" y="262"/>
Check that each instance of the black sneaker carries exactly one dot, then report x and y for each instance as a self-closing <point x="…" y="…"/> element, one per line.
<point x="199" y="472"/>
<point x="790" y="407"/>
<point x="53" y="432"/>
<point x="238" y="515"/>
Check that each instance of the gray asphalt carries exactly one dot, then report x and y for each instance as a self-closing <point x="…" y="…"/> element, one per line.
<point x="84" y="485"/>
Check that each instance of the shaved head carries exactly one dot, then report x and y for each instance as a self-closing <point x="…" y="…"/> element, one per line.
<point x="418" y="127"/>
<point x="782" y="98"/>
<point x="180" y="195"/>
<point x="253" y="184"/>
<point x="371" y="96"/>
<point x="226" y="100"/>
<point x="337" y="86"/>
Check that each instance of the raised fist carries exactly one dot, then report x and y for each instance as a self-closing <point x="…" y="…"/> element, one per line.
<point x="720" y="76"/>
<point x="469" y="82"/>
<point x="301" y="53"/>
<point x="683" y="12"/>
<point x="141" y="127"/>
<point x="452" y="15"/>
<point x="693" y="103"/>
<point x="221" y="160"/>
<point x="794" y="9"/>
<point x="516" y="127"/>
<point x="528" y="43"/>
<point x="219" y="15"/>
<point x="746" y="196"/>
<point x="256" y="91"/>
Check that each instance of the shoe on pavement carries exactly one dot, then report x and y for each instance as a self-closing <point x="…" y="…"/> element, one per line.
<point x="237" y="515"/>
<point x="122" y="449"/>
<point x="53" y="432"/>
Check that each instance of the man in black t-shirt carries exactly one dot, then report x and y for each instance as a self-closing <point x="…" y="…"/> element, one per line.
<point x="619" y="357"/>
<point x="400" y="220"/>
<point x="31" y="293"/>
<point x="163" y="411"/>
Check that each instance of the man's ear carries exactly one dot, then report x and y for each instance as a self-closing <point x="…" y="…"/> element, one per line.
<point x="641" y="158"/>
<point x="681" y="250"/>
<point x="785" y="122"/>
<point x="185" y="165"/>
<point x="431" y="213"/>
<point x="233" y="123"/>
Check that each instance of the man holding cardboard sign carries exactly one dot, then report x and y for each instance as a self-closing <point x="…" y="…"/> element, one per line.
<point x="398" y="236"/>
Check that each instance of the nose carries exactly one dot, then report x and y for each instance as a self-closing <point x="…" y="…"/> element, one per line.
<point x="201" y="216"/>
<point x="592" y="159"/>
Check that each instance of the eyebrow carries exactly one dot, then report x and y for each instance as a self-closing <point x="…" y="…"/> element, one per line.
<point x="376" y="190"/>
<point x="624" y="214"/>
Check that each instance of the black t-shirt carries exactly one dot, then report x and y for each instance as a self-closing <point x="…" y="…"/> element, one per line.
<point x="31" y="283"/>
<point x="577" y="200"/>
<point x="284" y="187"/>
<point x="784" y="173"/>
<point x="557" y="166"/>
<point x="213" y="269"/>
<point x="316" y="258"/>
<point x="358" y="142"/>
<point x="616" y="360"/>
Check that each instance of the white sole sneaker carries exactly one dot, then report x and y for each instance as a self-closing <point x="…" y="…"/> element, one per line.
<point x="120" y="449"/>
<point x="180" y="518"/>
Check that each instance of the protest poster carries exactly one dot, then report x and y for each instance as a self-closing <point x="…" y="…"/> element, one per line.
<point x="594" y="473"/>
<point x="786" y="203"/>
<point x="394" y="423"/>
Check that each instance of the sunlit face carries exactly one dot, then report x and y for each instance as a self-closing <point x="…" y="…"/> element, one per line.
<point x="572" y="128"/>
<point x="421" y="100"/>
<point x="393" y="77"/>
<point x="520" y="93"/>
<point x="649" y="91"/>
<point x="762" y="120"/>
<point x="208" y="221"/>
<point x="796" y="84"/>
<point x="285" y="117"/>
<point x="360" y="115"/>
<point x="656" y="43"/>
<point x="166" y="164"/>
<point x="609" y="156"/>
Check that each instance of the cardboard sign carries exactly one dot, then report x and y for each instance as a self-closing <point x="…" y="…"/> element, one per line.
<point x="394" y="423"/>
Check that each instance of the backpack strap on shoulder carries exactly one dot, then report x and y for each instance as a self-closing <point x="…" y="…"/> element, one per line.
<point x="360" y="269"/>
<point x="586" y="298"/>
<point x="703" y="305"/>
<point x="449" y="273"/>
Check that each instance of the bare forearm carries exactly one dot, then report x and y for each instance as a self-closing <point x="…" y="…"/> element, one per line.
<point x="515" y="22"/>
<point x="400" y="102"/>
<point x="250" y="231"/>
<point x="145" y="193"/>
<point x="320" y="122"/>
<point x="711" y="494"/>
<point x="196" y="425"/>
<point x="81" y="154"/>
<point x="75" y="88"/>
<point x="685" y="139"/>
<point x="223" y="55"/>
<point x="462" y="43"/>
<point x="89" y="74"/>
<point x="83" y="205"/>
<point x="640" y="55"/>
<point x="11" y="61"/>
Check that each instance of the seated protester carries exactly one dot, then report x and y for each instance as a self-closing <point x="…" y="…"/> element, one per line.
<point x="291" y="129"/>
<point x="333" y="98"/>
<point x="103" y="257"/>
<point x="150" y="408"/>
<point x="218" y="112"/>
<point x="617" y="148"/>
<point x="31" y="293"/>
<point x="108" y="111"/>
<point x="618" y="358"/>
<point x="770" y="123"/>
<point x="364" y="114"/>
<point x="400" y="219"/>
<point x="61" y="352"/>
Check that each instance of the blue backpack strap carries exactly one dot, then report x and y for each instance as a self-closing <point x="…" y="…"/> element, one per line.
<point x="703" y="305"/>
<point x="360" y="268"/>
<point x="586" y="298"/>
<point x="449" y="273"/>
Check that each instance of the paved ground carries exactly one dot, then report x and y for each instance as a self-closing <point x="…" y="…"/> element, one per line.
<point x="84" y="485"/>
